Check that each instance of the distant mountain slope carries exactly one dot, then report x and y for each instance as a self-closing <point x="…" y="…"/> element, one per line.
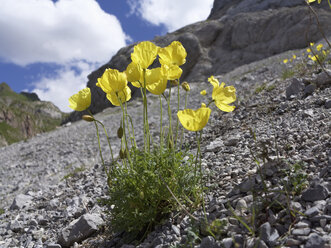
<point x="24" y="115"/>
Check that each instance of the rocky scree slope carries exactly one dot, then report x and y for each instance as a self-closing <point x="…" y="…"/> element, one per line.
<point x="23" y="115"/>
<point x="285" y="125"/>
<point x="236" y="33"/>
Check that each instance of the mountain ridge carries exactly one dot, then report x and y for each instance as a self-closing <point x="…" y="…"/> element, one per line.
<point x="23" y="115"/>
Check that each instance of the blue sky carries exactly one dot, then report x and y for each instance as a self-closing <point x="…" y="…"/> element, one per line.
<point x="50" y="46"/>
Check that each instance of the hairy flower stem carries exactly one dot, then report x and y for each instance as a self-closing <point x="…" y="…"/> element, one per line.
<point x="131" y="135"/>
<point x="182" y="133"/>
<point x="177" y="121"/>
<point x="111" y="150"/>
<point x="170" y="136"/>
<point x="161" y="135"/>
<point x="146" y="125"/>
<point x="127" y="150"/>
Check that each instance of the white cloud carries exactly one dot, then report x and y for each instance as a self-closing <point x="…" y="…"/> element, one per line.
<point x="76" y="35"/>
<point x="173" y="14"/>
<point x="43" y="31"/>
<point x="69" y="80"/>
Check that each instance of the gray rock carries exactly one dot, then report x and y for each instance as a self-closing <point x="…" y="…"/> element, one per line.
<point x="316" y="193"/>
<point x="268" y="234"/>
<point x="208" y="242"/>
<point x="232" y="141"/>
<point x="314" y="241"/>
<point x="16" y="226"/>
<point x="227" y="242"/>
<point x="21" y="201"/>
<point x="292" y="242"/>
<point x="309" y="89"/>
<point x="301" y="231"/>
<point x="323" y="79"/>
<point x="328" y="104"/>
<point x="175" y="229"/>
<point x="247" y="185"/>
<point x="53" y="246"/>
<point x="312" y="212"/>
<point x="295" y="88"/>
<point x="80" y="229"/>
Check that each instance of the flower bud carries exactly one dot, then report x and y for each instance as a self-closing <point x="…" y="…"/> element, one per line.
<point x="186" y="86"/>
<point x="122" y="154"/>
<point x="170" y="144"/>
<point x="120" y="132"/>
<point x="141" y="195"/>
<point x="88" y="118"/>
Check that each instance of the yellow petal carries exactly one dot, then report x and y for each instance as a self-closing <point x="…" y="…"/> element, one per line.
<point x="80" y="101"/>
<point x="134" y="72"/>
<point x="285" y="61"/>
<point x="144" y="54"/>
<point x="123" y="96"/>
<point x="174" y="54"/>
<point x="112" y="80"/>
<point x="224" y="96"/>
<point x="136" y="84"/>
<point x="194" y="120"/>
<point x="173" y="72"/>
<point x="203" y="92"/>
<point x="224" y="107"/>
<point x="156" y="82"/>
<point x="213" y="81"/>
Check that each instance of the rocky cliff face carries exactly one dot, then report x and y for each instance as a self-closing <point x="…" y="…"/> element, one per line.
<point x="237" y="32"/>
<point x="24" y="115"/>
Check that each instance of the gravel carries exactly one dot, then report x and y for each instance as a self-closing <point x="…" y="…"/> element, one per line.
<point x="50" y="184"/>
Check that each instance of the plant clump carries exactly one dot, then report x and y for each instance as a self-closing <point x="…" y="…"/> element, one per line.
<point x="146" y="184"/>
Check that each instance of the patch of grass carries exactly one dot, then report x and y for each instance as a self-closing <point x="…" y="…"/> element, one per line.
<point x="74" y="172"/>
<point x="287" y="73"/>
<point x="143" y="193"/>
<point x="2" y="211"/>
<point x="10" y="134"/>
<point x="271" y="87"/>
<point x="261" y="88"/>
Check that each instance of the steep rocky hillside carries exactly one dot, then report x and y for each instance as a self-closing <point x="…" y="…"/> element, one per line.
<point x="236" y="33"/>
<point x="24" y="115"/>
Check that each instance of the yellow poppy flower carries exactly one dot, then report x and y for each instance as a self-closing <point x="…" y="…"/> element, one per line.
<point x="311" y="1"/>
<point x="309" y="50"/>
<point x="144" y="54"/>
<point x="285" y="61"/>
<point x="81" y="100"/>
<point x="223" y="96"/>
<point x="112" y="80"/>
<point x="313" y="58"/>
<point x="134" y="72"/>
<point x="174" y="54"/>
<point x="156" y="81"/>
<point x="319" y="47"/>
<point x="294" y="56"/>
<point x="116" y="97"/>
<point x="203" y="92"/>
<point x="194" y="120"/>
